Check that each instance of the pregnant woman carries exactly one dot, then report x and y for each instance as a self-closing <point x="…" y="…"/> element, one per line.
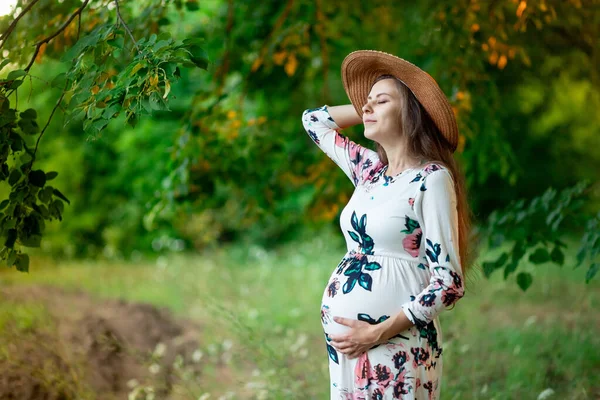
<point x="406" y="228"/>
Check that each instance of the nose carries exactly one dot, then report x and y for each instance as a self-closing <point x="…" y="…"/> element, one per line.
<point x="366" y="108"/>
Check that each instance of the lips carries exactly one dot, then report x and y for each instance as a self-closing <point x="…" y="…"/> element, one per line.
<point x="369" y="120"/>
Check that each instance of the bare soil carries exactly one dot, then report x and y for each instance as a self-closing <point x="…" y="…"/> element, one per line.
<point x="92" y="349"/>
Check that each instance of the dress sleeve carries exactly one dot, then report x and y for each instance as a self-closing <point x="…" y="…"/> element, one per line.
<point x="435" y="206"/>
<point x="355" y="160"/>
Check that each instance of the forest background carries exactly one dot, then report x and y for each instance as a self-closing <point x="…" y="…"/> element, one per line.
<point x="187" y="144"/>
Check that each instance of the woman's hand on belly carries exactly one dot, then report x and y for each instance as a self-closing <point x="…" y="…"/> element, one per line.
<point x="360" y="337"/>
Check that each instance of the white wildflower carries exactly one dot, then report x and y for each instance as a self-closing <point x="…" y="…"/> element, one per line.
<point x="154" y="369"/>
<point x="227" y="344"/>
<point x="197" y="356"/>
<point x="160" y="349"/>
<point x="132" y="383"/>
<point x="545" y="394"/>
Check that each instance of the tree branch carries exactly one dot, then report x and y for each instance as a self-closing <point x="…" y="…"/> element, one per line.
<point x="122" y="21"/>
<point x="46" y="126"/>
<point x="55" y="34"/>
<point x="13" y="24"/>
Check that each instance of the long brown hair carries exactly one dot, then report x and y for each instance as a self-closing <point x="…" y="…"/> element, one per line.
<point x="426" y="142"/>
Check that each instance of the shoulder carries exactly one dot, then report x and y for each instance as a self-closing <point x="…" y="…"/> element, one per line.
<point x="436" y="176"/>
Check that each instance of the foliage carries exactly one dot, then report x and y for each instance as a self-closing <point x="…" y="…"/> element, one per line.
<point x="223" y="156"/>
<point x="91" y="90"/>
<point x="537" y="227"/>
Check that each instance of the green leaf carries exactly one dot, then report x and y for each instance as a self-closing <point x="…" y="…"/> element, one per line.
<point x="29" y="126"/>
<point x="30" y="113"/>
<point x="592" y="271"/>
<point x="539" y="256"/>
<point x="4" y="204"/>
<point x="15" y="84"/>
<point x="510" y="268"/>
<point x="490" y="266"/>
<point x="45" y="195"/>
<point x="32" y="241"/>
<point x="199" y="56"/>
<point x="518" y="251"/>
<point x="14" y="177"/>
<point x="581" y="253"/>
<point x="192" y="5"/>
<point x="160" y="44"/>
<point x="59" y="81"/>
<point x="51" y="175"/>
<point x="58" y="194"/>
<point x="82" y="44"/>
<point x="132" y="120"/>
<point x="15" y="74"/>
<point x="56" y="209"/>
<point x="17" y="142"/>
<point x="524" y="280"/>
<point x="109" y="112"/>
<point x="118" y="42"/>
<point x="4" y="62"/>
<point x="37" y="178"/>
<point x="22" y="263"/>
<point x="11" y="238"/>
<point x="12" y="257"/>
<point x="557" y="256"/>
<point x="99" y="124"/>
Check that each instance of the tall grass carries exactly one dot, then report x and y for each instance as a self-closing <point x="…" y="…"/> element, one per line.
<point x="262" y="336"/>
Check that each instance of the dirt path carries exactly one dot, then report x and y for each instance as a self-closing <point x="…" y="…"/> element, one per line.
<point x="94" y="346"/>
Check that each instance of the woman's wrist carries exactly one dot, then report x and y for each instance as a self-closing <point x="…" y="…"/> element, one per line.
<point x="344" y="116"/>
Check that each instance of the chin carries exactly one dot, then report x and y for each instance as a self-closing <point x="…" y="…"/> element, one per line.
<point x="370" y="135"/>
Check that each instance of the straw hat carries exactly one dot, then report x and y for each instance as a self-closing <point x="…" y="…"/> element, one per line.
<point x="361" y="68"/>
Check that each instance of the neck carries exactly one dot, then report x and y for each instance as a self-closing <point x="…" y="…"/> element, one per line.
<point x="399" y="159"/>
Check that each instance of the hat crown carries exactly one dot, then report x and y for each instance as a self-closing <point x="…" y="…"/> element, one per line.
<point x="361" y="68"/>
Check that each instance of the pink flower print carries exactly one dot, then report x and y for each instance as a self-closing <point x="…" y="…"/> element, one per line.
<point x="431" y="168"/>
<point x="325" y="315"/>
<point x="429" y="387"/>
<point x="421" y="356"/>
<point x="400" y="358"/>
<point x="363" y="373"/>
<point x="333" y="287"/>
<point x="450" y="297"/>
<point x="359" y="395"/>
<point x="400" y="385"/>
<point x="383" y="374"/>
<point x="411" y="201"/>
<point x="412" y="242"/>
<point x="377" y="394"/>
<point x="340" y="140"/>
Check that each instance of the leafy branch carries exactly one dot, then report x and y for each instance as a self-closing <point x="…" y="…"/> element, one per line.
<point x="537" y="227"/>
<point x="39" y="44"/>
<point x="92" y="92"/>
<point x="122" y="21"/>
<point x="14" y="23"/>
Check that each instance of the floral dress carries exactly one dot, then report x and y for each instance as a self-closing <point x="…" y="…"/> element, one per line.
<point x="401" y="233"/>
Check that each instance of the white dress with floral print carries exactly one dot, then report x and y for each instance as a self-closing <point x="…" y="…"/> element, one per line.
<point x="402" y="238"/>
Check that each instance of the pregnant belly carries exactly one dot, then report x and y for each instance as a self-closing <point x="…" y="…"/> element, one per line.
<point x="372" y="298"/>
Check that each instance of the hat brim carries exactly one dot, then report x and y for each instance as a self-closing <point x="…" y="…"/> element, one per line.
<point x="361" y="68"/>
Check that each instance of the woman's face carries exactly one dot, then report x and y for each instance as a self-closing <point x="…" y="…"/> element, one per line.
<point x="381" y="113"/>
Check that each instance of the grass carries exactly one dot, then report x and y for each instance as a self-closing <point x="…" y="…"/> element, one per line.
<point x="263" y="337"/>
